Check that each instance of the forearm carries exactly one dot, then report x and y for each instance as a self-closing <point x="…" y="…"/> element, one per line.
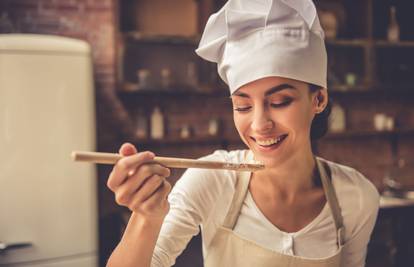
<point x="138" y="242"/>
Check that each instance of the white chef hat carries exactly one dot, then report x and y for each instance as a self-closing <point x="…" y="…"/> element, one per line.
<point x="253" y="39"/>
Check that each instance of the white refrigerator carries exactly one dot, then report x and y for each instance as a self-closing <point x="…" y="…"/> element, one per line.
<point x="48" y="204"/>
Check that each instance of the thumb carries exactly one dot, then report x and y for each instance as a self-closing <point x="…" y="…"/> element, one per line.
<point x="127" y="149"/>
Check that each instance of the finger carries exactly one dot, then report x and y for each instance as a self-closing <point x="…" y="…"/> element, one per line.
<point x="159" y="197"/>
<point x="153" y="201"/>
<point x="147" y="170"/>
<point x="129" y="189"/>
<point x="123" y="166"/>
<point x="166" y="189"/>
<point x="143" y="181"/>
<point x="148" y="188"/>
<point x="127" y="149"/>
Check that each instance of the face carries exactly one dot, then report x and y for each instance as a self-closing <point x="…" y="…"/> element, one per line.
<point x="273" y="116"/>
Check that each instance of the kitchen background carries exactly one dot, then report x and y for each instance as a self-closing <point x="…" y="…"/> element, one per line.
<point x="153" y="91"/>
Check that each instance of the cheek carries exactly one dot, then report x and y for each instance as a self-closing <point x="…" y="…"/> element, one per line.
<point x="296" y="119"/>
<point x="306" y="120"/>
<point x="241" y="125"/>
<point x="239" y="122"/>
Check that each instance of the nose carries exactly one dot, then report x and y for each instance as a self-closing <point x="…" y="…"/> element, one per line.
<point x="262" y="121"/>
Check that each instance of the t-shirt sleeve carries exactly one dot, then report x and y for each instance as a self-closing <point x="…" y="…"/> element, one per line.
<point x="355" y="249"/>
<point x="193" y="201"/>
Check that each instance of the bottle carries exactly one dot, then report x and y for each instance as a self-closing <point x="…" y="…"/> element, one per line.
<point x="144" y="78"/>
<point x="393" y="33"/>
<point x="157" y="124"/>
<point x="213" y="127"/>
<point x="141" y="126"/>
<point x="337" y="122"/>
<point x="329" y="23"/>
<point x="192" y="75"/>
<point x="166" y="79"/>
<point x="185" y="131"/>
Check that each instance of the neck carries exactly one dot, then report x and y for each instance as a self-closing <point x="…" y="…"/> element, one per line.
<point x="291" y="178"/>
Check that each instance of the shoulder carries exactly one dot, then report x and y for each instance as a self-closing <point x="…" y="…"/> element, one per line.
<point x="357" y="196"/>
<point x="351" y="183"/>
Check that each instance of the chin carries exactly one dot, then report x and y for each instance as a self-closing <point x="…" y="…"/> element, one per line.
<point x="273" y="157"/>
<point x="269" y="161"/>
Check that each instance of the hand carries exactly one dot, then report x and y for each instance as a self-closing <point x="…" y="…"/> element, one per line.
<point x="139" y="183"/>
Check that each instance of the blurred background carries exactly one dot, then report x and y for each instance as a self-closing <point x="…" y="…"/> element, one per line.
<point x="152" y="90"/>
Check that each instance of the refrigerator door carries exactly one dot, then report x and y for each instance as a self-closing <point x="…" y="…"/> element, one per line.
<point x="46" y="111"/>
<point x="71" y="261"/>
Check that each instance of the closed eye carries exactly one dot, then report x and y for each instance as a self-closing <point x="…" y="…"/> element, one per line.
<point x="242" y="109"/>
<point x="281" y="104"/>
<point x="273" y="105"/>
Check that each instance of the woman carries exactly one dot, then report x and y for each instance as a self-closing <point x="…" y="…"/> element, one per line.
<point x="300" y="210"/>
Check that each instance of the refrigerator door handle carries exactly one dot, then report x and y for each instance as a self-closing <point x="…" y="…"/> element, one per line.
<point x="6" y="247"/>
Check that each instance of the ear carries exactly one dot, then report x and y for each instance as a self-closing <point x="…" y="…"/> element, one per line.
<point x="320" y="100"/>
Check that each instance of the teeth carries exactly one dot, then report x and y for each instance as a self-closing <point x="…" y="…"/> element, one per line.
<point x="269" y="141"/>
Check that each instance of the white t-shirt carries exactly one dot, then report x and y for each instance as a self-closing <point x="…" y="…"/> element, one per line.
<point x="202" y="198"/>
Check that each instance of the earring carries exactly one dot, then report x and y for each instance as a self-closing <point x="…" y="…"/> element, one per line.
<point x="320" y="110"/>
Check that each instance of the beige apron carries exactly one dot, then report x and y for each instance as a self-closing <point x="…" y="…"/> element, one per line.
<point x="228" y="249"/>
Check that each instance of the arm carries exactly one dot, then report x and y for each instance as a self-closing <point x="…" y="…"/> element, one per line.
<point x="164" y="236"/>
<point x="355" y="250"/>
<point x="138" y="242"/>
<point x="142" y="188"/>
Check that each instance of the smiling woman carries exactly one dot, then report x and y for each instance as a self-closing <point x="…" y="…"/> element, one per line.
<point x="271" y="111"/>
<point x="319" y="126"/>
<point x="300" y="210"/>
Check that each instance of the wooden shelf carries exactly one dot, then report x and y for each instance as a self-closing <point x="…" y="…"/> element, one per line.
<point x="387" y="202"/>
<point x="133" y="90"/>
<point x="346" y="88"/>
<point x="383" y="90"/>
<point x="368" y="42"/>
<point x="369" y="133"/>
<point x="138" y="37"/>
<point x="383" y="43"/>
<point x="348" y="42"/>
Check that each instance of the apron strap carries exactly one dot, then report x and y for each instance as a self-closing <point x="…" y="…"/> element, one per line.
<point x="332" y="200"/>
<point x="242" y="186"/>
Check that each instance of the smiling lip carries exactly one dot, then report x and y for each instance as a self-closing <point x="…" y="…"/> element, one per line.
<point x="270" y="143"/>
<point x="269" y="139"/>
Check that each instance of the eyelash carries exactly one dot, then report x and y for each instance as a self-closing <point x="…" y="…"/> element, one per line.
<point x="280" y="105"/>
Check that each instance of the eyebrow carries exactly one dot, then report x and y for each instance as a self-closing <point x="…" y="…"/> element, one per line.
<point x="272" y="90"/>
